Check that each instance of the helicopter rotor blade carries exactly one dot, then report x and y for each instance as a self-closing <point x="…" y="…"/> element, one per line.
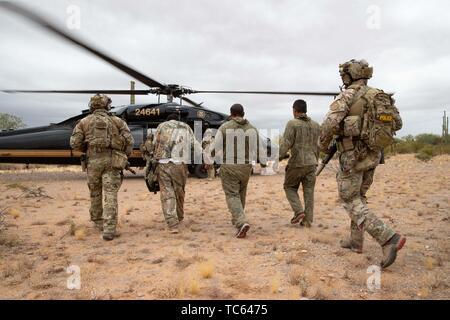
<point x="125" y="92"/>
<point x="45" y="23"/>
<point x="195" y="104"/>
<point x="293" y="93"/>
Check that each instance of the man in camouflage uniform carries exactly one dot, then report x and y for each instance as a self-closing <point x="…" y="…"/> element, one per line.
<point x="102" y="135"/>
<point x="300" y="137"/>
<point x="147" y="147"/>
<point x="357" y="163"/>
<point x="236" y="159"/>
<point x="208" y="146"/>
<point x="173" y="144"/>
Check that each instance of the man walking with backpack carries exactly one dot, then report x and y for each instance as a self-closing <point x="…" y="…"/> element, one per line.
<point x="108" y="142"/>
<point x="363" y="121"/>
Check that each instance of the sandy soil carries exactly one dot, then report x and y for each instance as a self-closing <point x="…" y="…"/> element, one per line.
<point x="44" y="236"/>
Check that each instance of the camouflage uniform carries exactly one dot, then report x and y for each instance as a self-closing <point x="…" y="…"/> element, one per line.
<point x="236" y="166"/>
<point x="208" y="146"/>
<point x="367" y="181"/>
<point x="147" y="147"/>
<point x="173" y="144"/>
<point x="301" y="136"/>
<point x="147" y="151"/>
<point x="356" y="170"/>
<point x="103" y="179"/>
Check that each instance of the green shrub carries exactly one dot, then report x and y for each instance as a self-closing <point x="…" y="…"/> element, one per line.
<point x="428" y="150"/>
<point x="424" y="145"/>
<point x="427" y="138"/>
<point x="424" y="156"/>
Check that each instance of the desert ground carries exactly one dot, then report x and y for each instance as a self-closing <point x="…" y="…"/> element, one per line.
<point x="48" y="230"/>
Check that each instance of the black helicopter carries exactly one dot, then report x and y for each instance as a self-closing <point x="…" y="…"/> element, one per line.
<point x="50" y="144"/>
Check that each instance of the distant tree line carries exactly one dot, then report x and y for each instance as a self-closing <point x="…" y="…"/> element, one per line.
<point x="425" y="146"/>
<point x="10" y="122"/>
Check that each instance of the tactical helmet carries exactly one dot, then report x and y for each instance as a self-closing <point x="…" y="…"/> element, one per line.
<point x="356" y="69"/>
<point x="99" y="101"/>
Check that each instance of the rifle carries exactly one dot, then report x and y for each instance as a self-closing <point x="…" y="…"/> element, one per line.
<point x="382" y="157"/>
<point x="83" y="162"/>
<point x="128" y="168"/>
<point x="331" y="151"/>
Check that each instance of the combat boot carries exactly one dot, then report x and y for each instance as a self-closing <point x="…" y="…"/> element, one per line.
<point x="349" y="244"/>
<point x="305" y="224"/>
<point x="98" y="226"/>
<point x="391" y="248"/>
<point x="298" y="218"/>
<point x="108" y="236"/>
<point x="174" y="229"/>
<point x="242" y="232"/>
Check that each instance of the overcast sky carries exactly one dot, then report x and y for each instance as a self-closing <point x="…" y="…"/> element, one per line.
<point x="232" y="45"/>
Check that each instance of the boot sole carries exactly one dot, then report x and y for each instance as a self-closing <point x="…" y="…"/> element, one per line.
<point x="243" y="232"/>
<point x="393" y="255"/>
<point x="401" y="243"/>
<point x="298" y="219"/>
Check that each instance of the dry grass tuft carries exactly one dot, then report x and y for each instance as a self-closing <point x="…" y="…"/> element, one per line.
<point x="182" y="262"/>
<point x="169" y="291"/>
<point x="319" y="293"/>
<point x="292" y="258"/>
<point x="18" y="269"/>
<point x="279" y="256"/>
<point x="80" y="233"/>
<point x="430" y="263"/>
<point x="433" y="280"/>
<point x="72" y="227"/>
<point x="275" y="284"/>
<point x="10" y="241"/>
<point x="303" y="285"/>
<point x="239" y="285"/>
<point x="13" y="212"/>
<point x="423" y="293"/>
<point x="296" y="276"/>
<point x="194" y="287"/>
<point x="206" y="269"/>
<point x="217" y="293"/>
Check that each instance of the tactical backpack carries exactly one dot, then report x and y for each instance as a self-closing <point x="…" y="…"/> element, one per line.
<point x="372" y="118"/>
<point x="101" y="132"/>
<point x="105" y="135"/>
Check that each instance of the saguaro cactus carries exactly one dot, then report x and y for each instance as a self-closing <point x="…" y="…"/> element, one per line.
<point x="445" y="127"/>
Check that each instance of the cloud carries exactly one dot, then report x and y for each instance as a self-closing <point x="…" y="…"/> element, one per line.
<point x="235" y="45"/>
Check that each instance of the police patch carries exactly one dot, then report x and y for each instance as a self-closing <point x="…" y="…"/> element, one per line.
<point x="201" y="114"/>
